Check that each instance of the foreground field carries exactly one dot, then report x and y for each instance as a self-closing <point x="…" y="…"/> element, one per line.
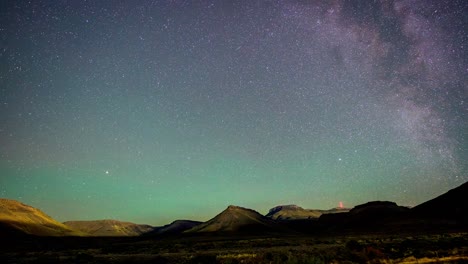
<point x="434" y="248"/>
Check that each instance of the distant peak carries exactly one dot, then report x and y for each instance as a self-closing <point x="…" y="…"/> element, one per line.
<point x="377" y="203"/>
<point x="289" y="206"/>
<point x="235" y="207"/>
<point x="284" y="207"/>
<point x="183" y="221"/>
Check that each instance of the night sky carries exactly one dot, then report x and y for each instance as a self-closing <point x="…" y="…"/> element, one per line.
<point x="151" y="111"/>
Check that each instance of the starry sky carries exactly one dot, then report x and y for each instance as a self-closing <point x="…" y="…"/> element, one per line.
<point x="151" y="111"/>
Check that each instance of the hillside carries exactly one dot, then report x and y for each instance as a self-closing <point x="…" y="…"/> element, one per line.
<point x="450" y="205"/>
<point x="19" y="218"/>
<point x="236" y="219"/>
<point x="176" y="227"/>
<point x="371" y="215"/>
<point x="294" y="212"/>
<point x="109" y="227"/>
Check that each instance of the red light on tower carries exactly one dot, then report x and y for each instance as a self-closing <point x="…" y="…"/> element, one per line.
<point x="340" y="205"/>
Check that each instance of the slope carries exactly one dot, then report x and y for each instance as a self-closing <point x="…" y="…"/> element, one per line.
<point x="294" y="212"/>
<point x="109" y="227"/>
<point x="17" y="218"/>
<point x="448" y="207"/>
<point x="236" y="219"/>
<point x="176" y="227"/>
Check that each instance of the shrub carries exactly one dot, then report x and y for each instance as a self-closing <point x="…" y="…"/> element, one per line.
<point x="354" y="245"/>
<point x="202" y="259"/>
<point x="83" y="257"/>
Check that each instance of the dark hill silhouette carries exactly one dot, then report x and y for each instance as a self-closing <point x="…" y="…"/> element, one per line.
<point x="7" y="230"/>
<point x="176" y="227"/>
<point x="378" y="209"/>
<point x="371" y="215"/>
<point x="451" y="205"/>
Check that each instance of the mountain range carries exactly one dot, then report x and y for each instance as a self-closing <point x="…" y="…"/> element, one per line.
<point x="176" y="227"/>
<point x="445" y="211"/>
<point x="294" y="212"/>
<point x="236" y="219"/>
<point x="109" y="228"/>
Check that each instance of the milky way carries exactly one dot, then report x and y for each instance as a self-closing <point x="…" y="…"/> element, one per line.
<point x="159" y="110"/>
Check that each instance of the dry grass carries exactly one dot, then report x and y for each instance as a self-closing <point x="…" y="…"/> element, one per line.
<point x="442" y="248"/>
<point x="451" y="259"/>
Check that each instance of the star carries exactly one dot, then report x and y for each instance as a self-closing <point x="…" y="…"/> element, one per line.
<point x="273" y="97"/>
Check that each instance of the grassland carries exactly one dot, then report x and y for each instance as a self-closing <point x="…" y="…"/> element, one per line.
<point x="369" y="248"/>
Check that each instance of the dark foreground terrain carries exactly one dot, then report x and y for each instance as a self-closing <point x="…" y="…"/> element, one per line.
<point x="447" y="247"/>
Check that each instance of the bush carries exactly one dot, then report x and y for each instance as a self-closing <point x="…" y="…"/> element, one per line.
<point x="373" y="253"/>
<point x="354" y="245"/>
<point x="83" y="257"/>
<point x="201" y="259"/>
<point x="47" y="259"/>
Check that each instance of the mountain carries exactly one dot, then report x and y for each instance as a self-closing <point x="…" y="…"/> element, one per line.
<point x="236" y="219"/>
<point x="287" y="212"/>
<point x="176" y="227"/>
<point x="451" y="204"/>
<point x="368" y="215"/>
<point x="109" y="227"/>
<point x="336" y="210"/>
<point x="294" y="212"/>
<point x="377" y="209"/>
<point x="18" y="218"/>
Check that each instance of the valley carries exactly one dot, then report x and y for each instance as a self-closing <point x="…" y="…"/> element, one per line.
<point x="375" y="232"/>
